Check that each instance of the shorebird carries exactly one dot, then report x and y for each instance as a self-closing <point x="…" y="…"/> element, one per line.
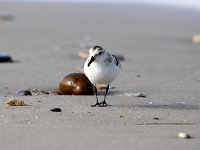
<point x="101" y="67"/>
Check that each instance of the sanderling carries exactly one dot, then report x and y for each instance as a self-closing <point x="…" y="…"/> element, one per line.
<point x="101" y="67"/>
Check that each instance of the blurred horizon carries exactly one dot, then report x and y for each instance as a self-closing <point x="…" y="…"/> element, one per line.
<point x="178" y="3"/>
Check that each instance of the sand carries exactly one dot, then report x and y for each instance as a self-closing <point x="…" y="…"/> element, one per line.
<point x="156" y="41"/>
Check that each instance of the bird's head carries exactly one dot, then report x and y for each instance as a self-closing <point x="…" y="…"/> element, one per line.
<point x="95" y="52"/>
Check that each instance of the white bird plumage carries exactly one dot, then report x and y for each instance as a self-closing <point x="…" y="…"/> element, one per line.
<point x="101" y="67"/>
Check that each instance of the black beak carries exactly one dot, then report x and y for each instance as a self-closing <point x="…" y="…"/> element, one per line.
<point x="91" y="60"/>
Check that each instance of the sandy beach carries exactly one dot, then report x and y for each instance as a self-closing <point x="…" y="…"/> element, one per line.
<point x="161" y="62"/>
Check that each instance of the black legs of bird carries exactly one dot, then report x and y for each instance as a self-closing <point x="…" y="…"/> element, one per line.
<point x="102" y="104"/>
<point x="97" y="103"/>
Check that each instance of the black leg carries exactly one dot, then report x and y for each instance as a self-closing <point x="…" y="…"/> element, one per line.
<point x="104" y="104"/>
<point x="97" y="103"/>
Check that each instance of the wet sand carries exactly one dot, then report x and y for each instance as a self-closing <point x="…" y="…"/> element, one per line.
<point x="160" y="61"/>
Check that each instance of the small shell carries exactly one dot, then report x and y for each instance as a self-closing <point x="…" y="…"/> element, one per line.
<point x="183" y="135"/>
<point x="14" y="102"/>
<point x="135" y="95"/>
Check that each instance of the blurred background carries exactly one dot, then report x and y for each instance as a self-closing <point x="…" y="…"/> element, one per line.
<point x="46" y="36"/>
<point x="180" y="3"/>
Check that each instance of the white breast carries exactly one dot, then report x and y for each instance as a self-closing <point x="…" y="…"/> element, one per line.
<point x="100" y="72"/>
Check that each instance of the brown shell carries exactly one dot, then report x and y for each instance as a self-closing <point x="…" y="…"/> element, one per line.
<point x="15" y="102"/>
<point x="76" y="84"/>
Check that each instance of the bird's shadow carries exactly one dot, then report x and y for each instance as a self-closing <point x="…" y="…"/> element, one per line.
<point x="174" y="106"/>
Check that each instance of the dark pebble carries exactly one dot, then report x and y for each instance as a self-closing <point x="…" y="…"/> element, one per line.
<point x="24" y="93"/>
<point x="5" y="58"/>
<point x="142" y="96"/>
<point x="56" y="110"/>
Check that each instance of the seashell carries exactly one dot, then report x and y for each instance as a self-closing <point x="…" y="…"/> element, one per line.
<point x="24" y="93"/>
<point x="184" y="135"/>
<point x="15" y="102"/>
<point x="76" y="84"/>
<point x="135" y="95"/>
<point x="196" y="39"/>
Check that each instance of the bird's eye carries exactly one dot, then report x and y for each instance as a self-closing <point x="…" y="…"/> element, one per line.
<point x="100" y="53"/>
<point x="99" y="47"/>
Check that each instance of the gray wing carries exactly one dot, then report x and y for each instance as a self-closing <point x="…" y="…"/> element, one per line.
<point x="112" y="60"/>
<point x="116" y="61"/>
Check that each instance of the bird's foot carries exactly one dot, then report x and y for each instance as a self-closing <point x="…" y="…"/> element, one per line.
<point x="96" y="105"/>
<point x="104" y="104"/>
